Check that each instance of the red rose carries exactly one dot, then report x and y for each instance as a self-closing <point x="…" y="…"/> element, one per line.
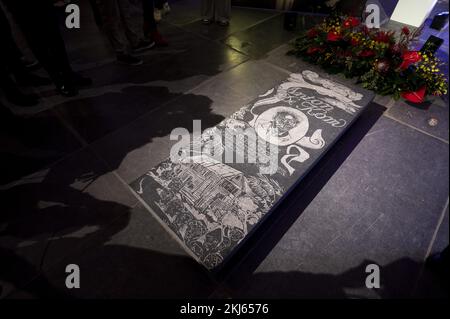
<point x="417" y="96"/>
<point x="351" y="22"/>
<point x="312" y="50"/>
<point x="334" y="36"/>
<point x="312" y="33"/>
<point x="383" y="37"/>
<point x="366" y="53"/>
<point x="409" y="58"/>
<point x="406" y="31"/>
<point x="354" y="42"/>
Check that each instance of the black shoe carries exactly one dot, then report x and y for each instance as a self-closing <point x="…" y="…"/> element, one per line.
<point x="223" y="23"/>
<point x="30" y="79"/>
<point x="128" y="59"/>
<point x="67" y="90"/>
<point x="78" y="80"/>
<point x="206" y="21"/>
<point x="143" y="46"/>
<point x="17" y="97"/>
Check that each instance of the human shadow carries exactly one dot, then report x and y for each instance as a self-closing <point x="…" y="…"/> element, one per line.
<point x="397" y="280"/>
<point x="56" y="213"/>
<point x="150" y="274"/>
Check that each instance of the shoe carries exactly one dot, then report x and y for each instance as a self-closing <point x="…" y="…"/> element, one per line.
<point x="17" y="97"/>
<point x="156" y="37"/>
<point x="78" y="80"/>
<point x="128" y="59"/>
<point x="206" y="21"/>
<point x="157" y="15"/>
<point x="166" y="8"/>
<point x="143" y="45"/>
<point x="223" y="23"/>
<point x="31" y="79"/>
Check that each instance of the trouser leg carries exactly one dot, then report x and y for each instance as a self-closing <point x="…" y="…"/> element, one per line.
<point x="112" y="26"/>
<point x="40" y="27"/>
<point x="130" y="25"/>
<point x="208" y="9"/>
<point x="222" y="10"/>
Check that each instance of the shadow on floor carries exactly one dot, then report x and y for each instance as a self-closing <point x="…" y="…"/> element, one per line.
<point x="150" y="274"/>
<point x="49" y="211"/>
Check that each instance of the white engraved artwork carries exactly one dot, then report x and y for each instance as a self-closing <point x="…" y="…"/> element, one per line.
<point x="339" y="95"/>
<point x="210" y="205"/>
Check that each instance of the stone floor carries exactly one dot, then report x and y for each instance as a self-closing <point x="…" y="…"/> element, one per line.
<point x="379" y="196"/>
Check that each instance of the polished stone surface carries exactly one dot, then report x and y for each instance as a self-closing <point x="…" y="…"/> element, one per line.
<point x="379" y="217"/>
<point x="379" y="195"/>
<point x="212" y="205"/>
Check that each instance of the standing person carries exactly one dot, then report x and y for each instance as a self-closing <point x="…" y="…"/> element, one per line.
<point x="150" y="27"/>
<point x="11" y="64"/>
<point x="216" y="10"/>
<point x="39" y="24"/>
<point x="122" y="30"/>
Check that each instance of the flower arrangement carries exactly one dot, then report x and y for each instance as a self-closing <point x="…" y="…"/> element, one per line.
<point x="381" y="60"/>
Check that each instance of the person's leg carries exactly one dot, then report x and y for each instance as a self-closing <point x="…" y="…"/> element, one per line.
<point x="150" y="27"/>
<point x="10" y="61"/>
<point x="223" y="11"/>
<point x="30" y="24"/>
<point x="110" y="16"/>
<point x="208" y="11"/>
<point x="131" y="28"/>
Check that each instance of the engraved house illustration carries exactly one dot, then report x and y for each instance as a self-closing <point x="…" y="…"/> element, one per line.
<point x="211" y="187"/>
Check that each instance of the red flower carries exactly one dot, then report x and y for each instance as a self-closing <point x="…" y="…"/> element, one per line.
<point x="312" y="50"/>
<point x="406" y="31"/>
<point x="334" y="36"/>
<point x="312" y="33"/>
<point x="354" y="42"/>
<point x="417" y="96"/>
<point x="409" y="58"/>
<point x="351" y="22"/>
<point x="383" y="36"/>
<point x="366" y="53"/>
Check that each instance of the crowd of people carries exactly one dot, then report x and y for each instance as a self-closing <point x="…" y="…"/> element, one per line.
<point x="39" y="24"/>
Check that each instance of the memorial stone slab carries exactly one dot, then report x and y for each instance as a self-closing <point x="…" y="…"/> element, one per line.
<point x="216" y="188"/>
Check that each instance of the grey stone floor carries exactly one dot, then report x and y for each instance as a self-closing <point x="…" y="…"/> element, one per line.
<point x="379" y="196"/>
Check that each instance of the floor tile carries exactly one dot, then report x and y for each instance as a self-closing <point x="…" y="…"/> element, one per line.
<point x="261" y="38"/>
<point x="382" y="205"/>
<point x="419" y="116"/>
<point x="184" y="11"/>
<point x="135" y="149"/>
<point x="54" y="212"/>
<point x="30" y="143"/>
<point x="138" y="260"/>
<point x="241" y="19"/>
<point x="136" y="91"/>
<point x="442" y="237"/>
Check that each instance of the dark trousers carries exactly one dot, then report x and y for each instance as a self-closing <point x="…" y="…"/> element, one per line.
<point x="10" y="54"/>
<point x="39" y="24"/>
